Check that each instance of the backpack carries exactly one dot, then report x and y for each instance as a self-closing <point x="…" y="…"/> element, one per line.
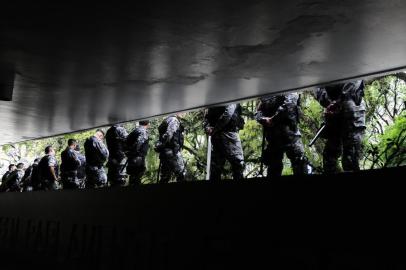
<point x="237" y="118"/>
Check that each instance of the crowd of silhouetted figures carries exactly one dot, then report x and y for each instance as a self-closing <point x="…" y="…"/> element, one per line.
<point x="124" y="153"/>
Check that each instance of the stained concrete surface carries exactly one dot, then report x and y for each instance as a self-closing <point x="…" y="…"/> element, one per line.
<point x="81" y="66"/>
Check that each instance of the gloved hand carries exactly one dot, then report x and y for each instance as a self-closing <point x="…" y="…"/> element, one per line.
<point x="209" y="131"/>
<point x="266" y="121"/>
<point x="158" y="147"/>
<point x="333" y="108"/>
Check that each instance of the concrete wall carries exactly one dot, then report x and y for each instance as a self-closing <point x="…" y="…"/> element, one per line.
<point x="353" y="221"/>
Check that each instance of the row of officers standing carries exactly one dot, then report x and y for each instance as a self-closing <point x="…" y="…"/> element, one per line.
<point x="278" y="114"/>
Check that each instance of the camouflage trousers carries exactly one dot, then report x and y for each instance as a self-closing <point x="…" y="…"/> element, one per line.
<point x="171" y="164"/>
<point x="49" y="185"/>
<point x="115" y="173"/>
<point x="347" y="144"/>
<point x="226" y="147"/>
<point x="14" y="187"/>
<point x="95" y="177"/>
<point x="70" y="180"/>
<point x="273" y="156"/>
<point x="136" y="169"/>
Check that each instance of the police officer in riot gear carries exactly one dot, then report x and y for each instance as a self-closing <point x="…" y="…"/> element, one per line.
<point x="279" y="116"/>
<point x="96" y="155"/>
<point x="81" y="172"/>
<point x="48" y="170"/>
<point x="222" y="123"/>
<point x="169" y="147"/>
<point x="35" y="176"/>
<point x="69" y="166"/>
<point x="11" y="168"/>
<point x="345" y="124"/>
<point x="30" y="173"/>
<point x="116" y="138"/>
<point x="14" y="180"/>
<point x="137" y="145"/>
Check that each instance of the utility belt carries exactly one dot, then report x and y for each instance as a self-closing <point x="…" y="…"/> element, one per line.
<point x="71" y="173"/>
<point x="117" y="156"/>
<point x="47" y="181"/>
<point x="70" y="177"/>
<point x="169" y="150"/>
<point x="135" y="161"/>
<point x="116" y="161"/>
<point x="94" y="167"/>
<point x="135" y="155"/>
<point x="229" y="129"/>
<point x="175" y="147"/>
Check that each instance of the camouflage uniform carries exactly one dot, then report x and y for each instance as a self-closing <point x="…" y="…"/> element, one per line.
<point x="46" y="179"/>
<point x="169" y="147"/>
<point x="116" y="137"/>
<point x="282" y="135"/>
<point x="81" y="172"/>
<point x="5" y="176"/>
<point x="34" y="177"/>
<point x="345" y="124"/>
<point x="29" y="174"/>
<point x="226" y="121"/>
<point x="14" y="181"/>
<point x="69" y="169"/>
<point x="137" y="145"/>
<point x="4" y="180"/>
<point x="96" y="155"/>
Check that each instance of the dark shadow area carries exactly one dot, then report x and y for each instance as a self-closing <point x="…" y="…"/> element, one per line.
<point x="7" y="76"/>
<point x="345" y="221"/>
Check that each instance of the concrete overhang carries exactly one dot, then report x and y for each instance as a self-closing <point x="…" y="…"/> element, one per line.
<point x="78" y="67"/>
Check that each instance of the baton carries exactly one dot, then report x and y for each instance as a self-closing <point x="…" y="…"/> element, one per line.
<point x="159" y="172"/>
<point x="208" y="158"/>
<point x="317" y="135"/>
<point x="125" y="165"/>
<point x="261" y="168"/>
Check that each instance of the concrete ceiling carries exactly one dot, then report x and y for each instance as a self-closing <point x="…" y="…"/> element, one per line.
<point x="76" y="67"/>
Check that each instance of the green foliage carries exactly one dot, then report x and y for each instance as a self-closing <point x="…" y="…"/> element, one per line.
<point x="152" y="160"/>
<point x="390" y="148"/>
<point x="195" y="147"/>
<point x="311" y="121"/>
<point x="251" y="140"/>
<point x="385" y="113"/>
<point x="393" y="143"/>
